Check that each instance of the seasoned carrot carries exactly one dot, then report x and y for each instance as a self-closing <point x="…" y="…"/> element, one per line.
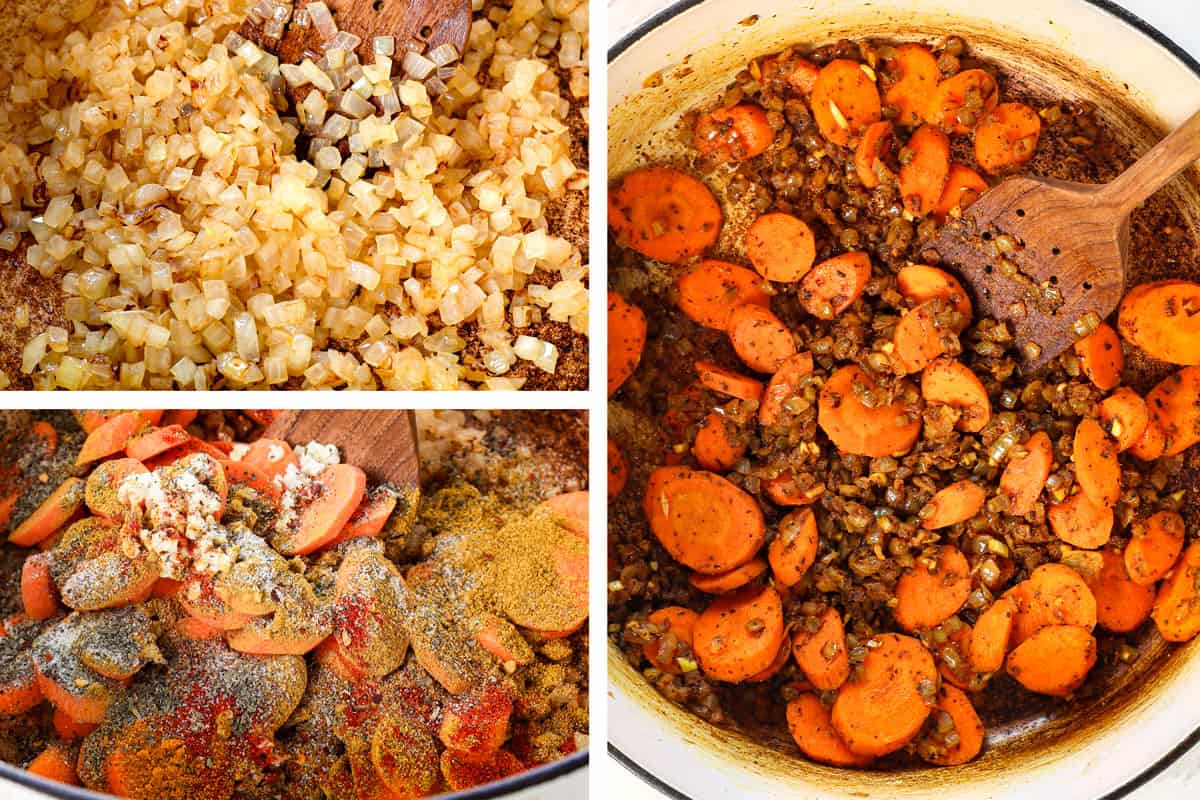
<point x="679" y="624"/>
<point x="475" y="724"/>
<point x="918" y="337"/>
<point x="54" y="763"/>
<point x="111" y="436"/>
<point x="460" y="773"/>
<point x="1122" y="605"/>
<point x="781" y="247"/>
<point x="322" y="519"/>
<point x="618" y="470"/>
<point x="1054" y="594"/>
<point x="370" y="516"/>
<point x="969" y="740"/>
<point x="179" y="416"/>
<point x="1081" y="523"/>
<point x="883" y="706"/>
<point x="718" y="444"/>
<point x="239" y="473"/>
<point x="783" y="386"/>
<point x="1100" y="357"/>
<point x="728" y="382"/>
<point x="812" y="729"/>
<point x="191" y="448"/>
<point x="924" y="167"/>
<point x="1025" y="475"/>
<point x="844" y="100"/>
<point x="1175" y="406"/>
<point x="821" y="652"/>
<point x="760" y="338"/>
<point x="784" y="491"/>
<point x="19" y="688"/>
<point x="68" y="729"/>
<point x="794" y="547"/>
<point x="39" y="595"/>
<point x="1124" y="416"/>
<point x="952" y="383"/>
<point x="954" y="670"/>
<point x="100" y="492"/>
<point x="1097" y="470"/>
<point x="46" y="437"/>
<point x="710" y="291"/>
<point x="735" y="578"/>
<point x="57" y="510"/>
<point x="963" y="187"/>
<point x="733" y="134"/>
<point x="626" y="338"/>
<point x="1177" y="607"/>
<point x="959" y="101"/>
<point x="1152" y="442"/>
<point x="165" y="587"/>
<point x="1163" y="319"/>
<point x="664" y="214"/>
<point x="835" y="284"/>
<point x="569" y="510"/>
<point x="496" y="635"/>
<point x="989" y="637"/>
<point x="920" y="283"/>
<point x="882" y="430"/>
<point x="776" y="665"/>
<point x="956" y="503"/>
<point x="86" y="704"/>
<point x="155" y="441"/>
<point x="918" y="78"/>
<point x="1054" y="661"/>
<point x="869" y="162"/>
<point x="739" y="634"/>
<point x="91" y="419"/>
<point x="271" y="457"/>
<point x="704" y="521"/>
<point x="1006" y="137"/>
<point x="925" y="597"/>
<point x="1154" y="546"/>
<point x="803" y="76"/>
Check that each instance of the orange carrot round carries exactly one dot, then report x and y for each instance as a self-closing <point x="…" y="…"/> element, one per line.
<point x="833" y="285"/>
<point x="154" y="441"/>
<point x="918" y="78"/>
<point x="955" y="703"/>
<point x="680" y="622"/>
<point x="1055" y="660"/>
<point x="1177" y="607"/>
<point x="718" y="444"/>
<point x="710" y="291"/>
<point x="68" y="729"/>
<point x="618" y="470"/>
<point x="728" y="382"/>
<point x="917" y="338"/>
<point x="1175" y="408"/>
<point x="1154" y="547"/>
<point x="783" y="386"/>
<point x="1124" y="416"/>
<point x="956" y="503"/>
<point x="1006" y="137"/>
<point x="844" y="100"/>
<point x="100" y="492"/>
<point x="39" y="595"/>
<point x="957" y="673"/>
<point x="1025" y="475"/>
<point x="733" y="134"/>
<point x="821" y="653"/>
<point x="322" y="519"/>
<point x="54" y="763"/>
<point x="952" y="383"/>
<point x="760" y="338"/>
<point x="271" y="457"/>
<point x="920" y="283"/>
<point x="1081" y="523"/>
<point x="781" y="247"/>
<point x="1100" y="357"/>
<point x="989" y="637"/>
<point x="664" y="214"/>
<point x="783" y="491"/>
<point x="882" y="430"/>
<point x="1122" y="605"/>
<point x="883" y="707"/>
<point x="735" y="578"/>
<point x="803" y="76"/>
<point x="812" y="729"/>
<point x="111" y="436"/>
<point x="1054" y="594"/>
<point x="626" y="338"/>
<point x="57" y="510"/>
<point x="1152" y="442"/>
<point x="959" y="101"/>
<point x="926" y="598"/>
<point x="1163" y="320"/>
<point x="794" y="547"/>
<point x="923" y="175"/>
<point x="879" y="138"/>
<point x="963" y="187"/>
<point x="739" y="634"/>
<point x="1097" y="470"/>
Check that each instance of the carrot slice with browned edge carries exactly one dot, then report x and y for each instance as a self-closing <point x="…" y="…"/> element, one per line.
<point x="925" y="597"/>
<point x="918" y="78"/>
<point x="733" y="134"/>
<point x="618" y="470"/>
<point x="1054" y="661"/>
<point x="881" y="430"/>
<point x="39" y="595"/>
<point x="783" y="386"/>
<point x="664" y="214"/>
<point x="728" y="382"/>
<point x="103" y="485"/>
<point x="953" y="384"/>
<point x="1097" y="470"/>
<point x="271" y="457"/>
<point x="1100" y="357"/>
<point x="924" y="167"/>
<point x="322" y="519"/>
<point x="718" y="444"/>
<point x="735" y="578"/>
<point x="1124" y="416"/>
<point x="1121" y="604"/>
<point x="57" y="510"/>
<point x="1175" y="407"/>
<point x="878" y="139"/>
<point x="711" y="290"/>
<point x="1054" y="594"/>
<point x="111" y="436"/>
<point x="918" y="337"/>
<point x="781" y="247"/>
<point x="959" y="101"/>
<point x="1177" y="607"/>
<point x="704" y="521"/>
<point x="55" y="763"/>
<point x="1163" y="320"/>
<point x="920" y="283"/>
<point x="963" y="187"/>
<point x="154" y="441"/>
<point x="833" y="285"/>
<point x="626" y="338"/>
<point x="812" y="729"/>
<point x="1025" y="475"/>
<point x="937" y="747"/>
<point x="794" y="547"/>
<point x="1154" y="546"/>
<point x="1081" y="523"/>
<point x="844" y="100"/>
<point x="953" y="504"/>
<point x="882" y="707"/>
<point x="821" y="652"/>
<point x="1007" y="136"/>
<point x="679" y="623"/>
<point x="760" y="338"/>
<point x="989" y="637"/>
<point x="739" y="634"/>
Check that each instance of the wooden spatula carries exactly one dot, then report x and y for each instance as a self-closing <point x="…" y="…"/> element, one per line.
<point x="383" y="443"/>
<point x="1046" y="255"/>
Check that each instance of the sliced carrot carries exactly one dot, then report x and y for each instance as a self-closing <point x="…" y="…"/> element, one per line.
<point x="881" y="430"/>
<point x="710" y="291"/>
<point x="1122" y="605"/>
<point x="370" y="516"/>
<point x="704" y="521"/>
<point x="198" y="630"/>
<point x="739" y="634"/>
<point x="199" y="600"/>
<point x="100" y="492"/>
<point x="760" y="338"/>
<point x="959" y="101"/>
<point x="664" y="214"/>
<point x="91" y="419"/>
<point x="1177" y="607"/>
<point x="969" y="740"/>
<point x="920" y="283"/>
<point x="475" y="724"/>
<point x="1100" y="357"/>
<point x="1055" y="660"/>
<point x="1081" y="523"/>
<point x="87" y="704"/>
<point x="735" y="578"/>
<point x="883" y="706"/>
<point x="878" y="139"/>
<point x="784" y="491"/>
<point x="803" y="76"/>
<point x="956" y="503"/>
<point x="322" y="519"/>
<point x="460" y="773"/>
<point x="39" y="595"/>
<point x="570" y="510"/>
<point x="1154" y="547"/>
<point x="955" y="670"/>
<point x="1152" y="442"/>
<point x="918" y="78"/>
<point x="166" y="587"/>
<point x="112" y="436"/>
<point x="918" y="337"/>
<point x="952" y="383"/>
<point x="1175" y="406"/>
<point x="989" y="637"/>
<point x="781" y="247"/>
<point x="1054" y="594"/>
<point x="1025" y="475"/>
<point x="679" y="623"/>
<point x="923" y="175"/>
<point x="733" y="134"/>
<point x="626" y="338"/>
<point x="69" y="729"/>
<point x="1124" y="416"/>
<point x="618" y="470"/>
<point x="1163" y="320"/>
<point x="963" y="187"/>
<point x="256" y="638"/>
<point x="20" y="690"/>
<point x="54" y="763"/>
<point x="154" y="441"/>
<point x="499" y="637"/>
<point x="728" y="382"/>
<point x="46" y="436"/>
<point x="775" y="667"/>
<point x="844" y="100"/>
<point x="1096" y="467"/>
<point x="179" y="416"/>
<point x="1006" y="137"/>
<point x="718" y="444"/>
<point x="271" y="457"/>
<point x="783" y="386"/>
<point x="812" y="729"/>
<point x="794" y="547"/>
<point x="926" y="598"/>
<point x="239" y="473"/>
<point x="191" y="448"/>
<point x="57" y="510"/>
<point x="835" y="284"/>
<point x="821" y="654"/>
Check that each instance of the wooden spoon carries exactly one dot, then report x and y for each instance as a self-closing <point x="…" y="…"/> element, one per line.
<point x="382" y="443"/>
<point x="1069" y="247"/>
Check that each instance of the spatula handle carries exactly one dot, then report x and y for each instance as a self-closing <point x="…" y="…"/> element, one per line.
<point x="1152" y="171"/>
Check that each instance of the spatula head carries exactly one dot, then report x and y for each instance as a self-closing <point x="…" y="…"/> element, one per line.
<point x="382" y="443"/>
<point x="1043" y="255"/>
